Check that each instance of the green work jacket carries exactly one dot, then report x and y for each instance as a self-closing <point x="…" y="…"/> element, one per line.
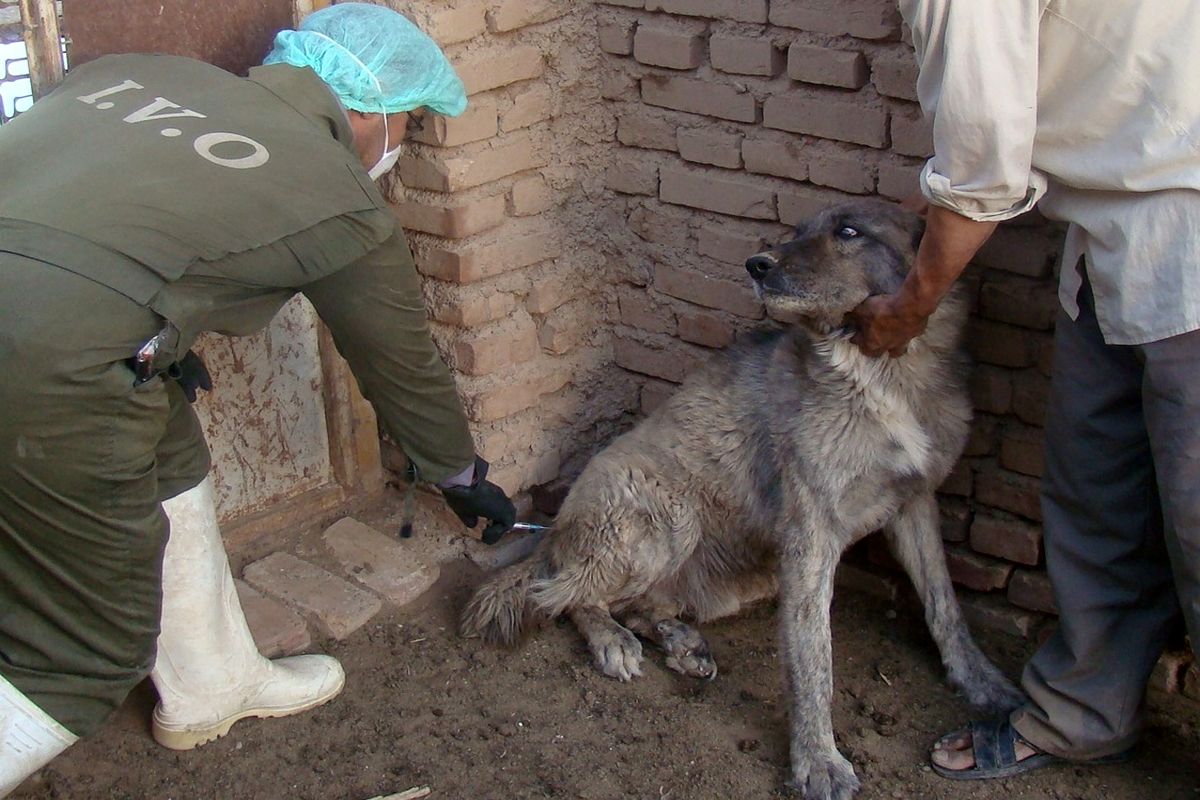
<point x="213" y="199"/>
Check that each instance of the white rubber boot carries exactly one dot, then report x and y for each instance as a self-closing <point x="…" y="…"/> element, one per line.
<point x="208" y="672"/>
<point x="29" y="738"/>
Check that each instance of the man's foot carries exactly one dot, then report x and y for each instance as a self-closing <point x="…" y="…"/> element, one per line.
<point x="990" y="749"/>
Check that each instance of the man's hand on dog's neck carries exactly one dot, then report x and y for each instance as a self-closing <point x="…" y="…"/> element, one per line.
<point x="886" y="323"/>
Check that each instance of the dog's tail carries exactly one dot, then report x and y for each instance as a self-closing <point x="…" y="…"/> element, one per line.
<point x="499" y="609"/>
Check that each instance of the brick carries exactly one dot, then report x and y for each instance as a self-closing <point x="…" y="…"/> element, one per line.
<point x="646" y="359"/>
<point x="647" y="132"/>
<point x="707" y="291"/>
<point x="565" y="329"/>
<point x="736" y="10"/>
<point x="451" y="219"/>
<point x="1031" y="396"/>
<point x="988" y="611"/>
<point x="975" y="571"/>
<point x="1021" y="450"/>
<point x="960" y="481"/>
<point x="477" y="123"/>
<point x="616" y="36"/>
<point x="704" y="328"/>
<point x="726" y="245"/>
<point x="894" y="72"/>
<point x="899" y="178"/>
<point x="846" y="169"/>
<point x="628" y="175"/>
<point x="469" y="309"/>
<point x="954" y="519"/>
<point x="509" y="342"/>
<point x="1031" y="589"/>
<point x="454" y="173"/>
<point x="1019" y="301"/>
<point x="712" y="191"/>
<point x="638" y="310"/>
<point x="514" y="14"/>
<point x="745" y="55"/>
<point x="617" y="84"/>
<point x="699" y="97"/>
<point x="784" y="159"/>
<point x="912" y="134"/>
<point x="515" y="393"/>
<point x="1169" y="671"/>
<point x="803" y="202"/>
<point x="337" y="607"/>
<point x="548" y="294"/>
<point x="984" y="436"/>
<point x="828" y="116"/>
<point x="1009" y="491"/>
<point x="862" y="19"/>
<point x="654" y="393"/>
<point x="1020" y="250"/>
<point x="500" y="66"/>
<point x="459" y="24"/>
<point x="379" y="562"/>
<point x="673" y="49"/>
<point x="530" y="196"/>
<point x="277" y="630"/>
<point x="1006" y="537"/>
<point x="664" y="226"/>
<point x="718" y="148"/>
<point x="826" y="65"/>
<point x="991" y="389"/>
<point x="999" y="344"/>
<point x="528" y="108"/>
<point x="484" y="260"/>
<point x="859" y="579"/>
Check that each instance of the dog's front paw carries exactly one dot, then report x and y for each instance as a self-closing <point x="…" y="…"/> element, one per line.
<point x="619" y="655"/>
<point x="824" y="777"/>
<point x="687" y="651"/>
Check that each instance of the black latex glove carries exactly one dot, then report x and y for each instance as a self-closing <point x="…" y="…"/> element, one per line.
<point x="482" y="499"/>
<point x="192" y="375"/>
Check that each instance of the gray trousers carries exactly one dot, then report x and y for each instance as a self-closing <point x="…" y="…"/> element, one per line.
<point x="1121" y="505"/>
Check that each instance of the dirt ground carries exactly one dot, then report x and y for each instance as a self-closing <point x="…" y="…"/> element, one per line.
<point x="423" y="707"/>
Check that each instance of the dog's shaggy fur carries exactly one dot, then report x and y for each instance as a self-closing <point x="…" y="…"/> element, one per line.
<point x="764" y="467"/>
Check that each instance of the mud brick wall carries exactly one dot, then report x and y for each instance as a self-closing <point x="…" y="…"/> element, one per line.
<point x="501" y="208"/>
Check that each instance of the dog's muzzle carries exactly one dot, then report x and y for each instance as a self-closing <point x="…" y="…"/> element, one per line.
<point x="759" y="265"/>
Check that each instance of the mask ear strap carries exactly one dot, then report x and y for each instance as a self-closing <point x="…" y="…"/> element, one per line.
<point x="385" y="137"/>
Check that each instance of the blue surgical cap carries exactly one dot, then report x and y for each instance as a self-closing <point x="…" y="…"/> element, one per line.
<point x="374" y="59"/>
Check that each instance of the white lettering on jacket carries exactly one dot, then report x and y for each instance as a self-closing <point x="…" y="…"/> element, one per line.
<point x="232" y="151"/>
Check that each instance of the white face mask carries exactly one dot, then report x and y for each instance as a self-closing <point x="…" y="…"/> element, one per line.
<point x="389" y="157"/>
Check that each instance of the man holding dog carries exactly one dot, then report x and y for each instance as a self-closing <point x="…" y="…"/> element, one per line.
<point x="1092" y="107"/>
<point x="149" y="199"/>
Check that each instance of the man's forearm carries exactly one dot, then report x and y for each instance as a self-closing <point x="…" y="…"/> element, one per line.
<point x="949" y="243"/>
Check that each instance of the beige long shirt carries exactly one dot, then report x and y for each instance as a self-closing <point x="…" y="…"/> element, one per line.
<point x="1091" y="107"/>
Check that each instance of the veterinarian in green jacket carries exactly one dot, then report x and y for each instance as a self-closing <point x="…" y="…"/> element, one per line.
<point x="1093" y="108"/>
<point x="149" y="199"/>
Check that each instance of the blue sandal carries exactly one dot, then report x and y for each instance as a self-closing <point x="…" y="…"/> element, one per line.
<point x="994" y="742"/>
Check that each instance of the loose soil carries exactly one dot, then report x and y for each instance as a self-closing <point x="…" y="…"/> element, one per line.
<point x="423" y="707"/>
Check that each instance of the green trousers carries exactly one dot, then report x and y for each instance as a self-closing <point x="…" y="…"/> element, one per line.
<point x="85" y="460"/>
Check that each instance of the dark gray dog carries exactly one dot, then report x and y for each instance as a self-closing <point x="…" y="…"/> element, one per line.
<point x="764" y="467"/>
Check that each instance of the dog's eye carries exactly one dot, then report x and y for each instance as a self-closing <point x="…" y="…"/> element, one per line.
<point x="846" y="232"/>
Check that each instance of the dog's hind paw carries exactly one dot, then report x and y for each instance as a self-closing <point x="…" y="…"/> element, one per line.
<point x="619" y="655"/>
<point x="828" y="777"/>
<point x="996" y="697"/>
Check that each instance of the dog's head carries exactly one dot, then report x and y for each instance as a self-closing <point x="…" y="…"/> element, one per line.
<point x="836" y="260"/>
